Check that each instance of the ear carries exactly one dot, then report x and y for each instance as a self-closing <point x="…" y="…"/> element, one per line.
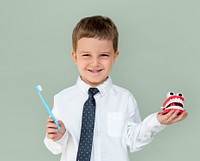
<point x="116" y="54"/>
<point x="74" y="56"/>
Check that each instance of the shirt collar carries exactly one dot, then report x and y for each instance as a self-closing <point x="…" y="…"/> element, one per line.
<point x="103" y="88"/>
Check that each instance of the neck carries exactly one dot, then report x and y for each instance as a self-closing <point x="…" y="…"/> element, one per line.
<point x="94" y="84"/>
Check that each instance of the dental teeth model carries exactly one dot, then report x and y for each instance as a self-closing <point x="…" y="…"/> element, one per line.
<point x="173" y="102"/>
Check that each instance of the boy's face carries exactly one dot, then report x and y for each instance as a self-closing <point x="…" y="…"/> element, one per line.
<point x="94" y="59"/>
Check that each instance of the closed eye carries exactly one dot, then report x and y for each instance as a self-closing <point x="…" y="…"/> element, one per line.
<point x="104" y="55"/>
<point x="85" y="55"/>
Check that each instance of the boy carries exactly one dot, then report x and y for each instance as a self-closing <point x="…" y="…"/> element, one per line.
<point x="116" y="126"/>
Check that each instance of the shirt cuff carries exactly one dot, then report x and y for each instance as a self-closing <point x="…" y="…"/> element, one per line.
<point x="153" y="127"/>
<point x="56" y="147"/>
<point x="63" y="139"/>
<point x="156" y="126"/>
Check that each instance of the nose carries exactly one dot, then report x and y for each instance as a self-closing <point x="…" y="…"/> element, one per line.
<point x="94" y="62"/>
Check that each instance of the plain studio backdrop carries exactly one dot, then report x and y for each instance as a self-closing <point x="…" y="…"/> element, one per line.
<point x="159" y="52"/>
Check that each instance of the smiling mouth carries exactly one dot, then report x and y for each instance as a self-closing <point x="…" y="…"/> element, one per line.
<point x="95" y="71"/>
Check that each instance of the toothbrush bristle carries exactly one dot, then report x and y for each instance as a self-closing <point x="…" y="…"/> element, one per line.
<point x="39" y="87"/>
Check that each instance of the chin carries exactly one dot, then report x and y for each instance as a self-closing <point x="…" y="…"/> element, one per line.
<point x="96" y="82"/>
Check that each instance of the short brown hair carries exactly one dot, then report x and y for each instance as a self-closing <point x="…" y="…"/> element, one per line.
<point x="95" y="27"/>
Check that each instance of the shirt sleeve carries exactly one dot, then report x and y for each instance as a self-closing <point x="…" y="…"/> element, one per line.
<point x="56" y="147"/>
<point x="140" y="133"/>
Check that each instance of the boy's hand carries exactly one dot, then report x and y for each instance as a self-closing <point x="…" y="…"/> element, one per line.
<point x="52" y="129"/>
<point x="171" y="117"/>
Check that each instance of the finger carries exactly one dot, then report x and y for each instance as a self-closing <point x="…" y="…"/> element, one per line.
<point x="62" y="126"/>
<point x="182" y="116"/>
<point x="175" y="114"/>
<point x="51" y="131"/>
<point x="51" y="136"/>
<point x="169" y="114"/>
<point x="60" y="123"/>
<point x="51" y="125"/>
<point x="50" y="120"/>
<point x="185" y="114"/>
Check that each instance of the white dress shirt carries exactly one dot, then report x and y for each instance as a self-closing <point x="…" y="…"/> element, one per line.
<point x="118" y="126"/>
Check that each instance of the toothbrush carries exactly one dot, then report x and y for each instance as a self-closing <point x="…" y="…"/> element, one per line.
<point x="38" y="90"/>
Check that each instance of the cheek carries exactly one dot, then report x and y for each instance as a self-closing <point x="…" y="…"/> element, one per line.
<point x="108" y="64"/>
<point x="81" y="63"/>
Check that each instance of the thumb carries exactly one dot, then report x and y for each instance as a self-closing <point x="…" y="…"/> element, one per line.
<point x="62" y="126"/>
<point x="60" y="123"/>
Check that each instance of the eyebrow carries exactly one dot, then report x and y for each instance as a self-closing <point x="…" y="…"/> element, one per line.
<point x="101" y="52"/>
<point x="107" y="52"/>
<point x="84" y="51"/>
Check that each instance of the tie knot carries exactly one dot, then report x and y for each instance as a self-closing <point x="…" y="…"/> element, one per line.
<point x="93" y="91"/>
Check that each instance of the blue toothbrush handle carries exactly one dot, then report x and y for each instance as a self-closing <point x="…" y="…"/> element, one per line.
<point x="48" y="109"/>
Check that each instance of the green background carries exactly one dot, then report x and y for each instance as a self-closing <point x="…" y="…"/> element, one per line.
<point x="159" y="52"/>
